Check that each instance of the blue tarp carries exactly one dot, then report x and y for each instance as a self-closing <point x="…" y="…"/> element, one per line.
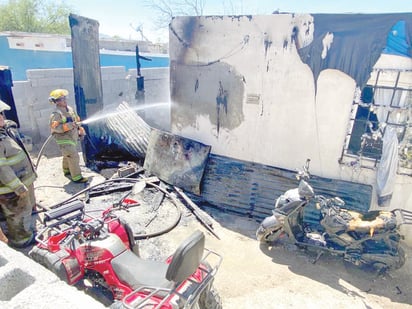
<point x="358" y="42"/>
<point x="398" y="42"/>
<point x="6" y="95"/>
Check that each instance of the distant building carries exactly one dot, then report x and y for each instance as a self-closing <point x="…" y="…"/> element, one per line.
<point x="21" y="51"/>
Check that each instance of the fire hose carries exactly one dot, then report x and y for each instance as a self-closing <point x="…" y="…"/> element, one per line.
<point x="136" y="236"/>
<point x="42" y="149"/>
<point x="132" y="180"/>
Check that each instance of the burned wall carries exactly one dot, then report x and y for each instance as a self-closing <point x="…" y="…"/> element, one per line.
<point x="281" y="88"/>
<point x="238" y="84"/>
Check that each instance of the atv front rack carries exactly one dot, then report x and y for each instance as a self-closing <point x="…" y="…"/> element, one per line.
<point x="56" y="218"/>
<point x="185" y="295"/>
<point x="67" y="212"/>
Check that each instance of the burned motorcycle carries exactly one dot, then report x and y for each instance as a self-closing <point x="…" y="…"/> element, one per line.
<point x="370" y="239"/>
<point x="101" y="256"/>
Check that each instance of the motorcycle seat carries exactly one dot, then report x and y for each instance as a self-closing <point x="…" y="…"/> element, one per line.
<point x="371" y="222"/>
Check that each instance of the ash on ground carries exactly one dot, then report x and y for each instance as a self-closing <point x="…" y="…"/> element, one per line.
<point x="150" y="213"/>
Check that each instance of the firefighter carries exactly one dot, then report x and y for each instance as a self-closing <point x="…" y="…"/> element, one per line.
<point x="66" y="130"/>
<point x="17" y="176"/>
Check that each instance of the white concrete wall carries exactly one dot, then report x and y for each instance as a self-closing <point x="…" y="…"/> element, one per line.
<point x="26" y="284"/>
<point x="275" y="116"/>
<point x="287" y="123"/>
<point x="33" y="108"/>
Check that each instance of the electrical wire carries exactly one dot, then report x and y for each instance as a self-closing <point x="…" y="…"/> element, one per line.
<point x="168" y="228"/>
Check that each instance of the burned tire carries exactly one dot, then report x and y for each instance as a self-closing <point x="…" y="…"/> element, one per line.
<point x="382" y="267"/>
<point x="270" y="229"/>
<point x="268" y="235"/>
<point x="210" y="299"/>
<point x="402" y="258"/>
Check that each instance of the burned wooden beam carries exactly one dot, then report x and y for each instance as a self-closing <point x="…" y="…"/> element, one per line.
<point x="87" y="77"/>
<point x="199" y="213"/>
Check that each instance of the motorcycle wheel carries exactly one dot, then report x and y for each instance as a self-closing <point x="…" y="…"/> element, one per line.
<point x="268" y="235"/>
<point x="402" y="258"/>
<point x="210" y="299"/>
<point x="382" y="267"/>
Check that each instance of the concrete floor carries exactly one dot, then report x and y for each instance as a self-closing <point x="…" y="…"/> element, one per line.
<point x="256" y="276"/>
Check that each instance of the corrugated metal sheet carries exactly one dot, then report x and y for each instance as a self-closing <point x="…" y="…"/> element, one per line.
<point x="251" y="189"/>
<point x="130" y="131"/>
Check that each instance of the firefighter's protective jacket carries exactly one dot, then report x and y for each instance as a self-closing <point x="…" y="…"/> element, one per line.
<point x="16" y="169"/>
<point x="64" y="127"/>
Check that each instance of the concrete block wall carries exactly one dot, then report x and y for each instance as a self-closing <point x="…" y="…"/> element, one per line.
<point x="26" y="284"/>
<point x="33" y="108"/>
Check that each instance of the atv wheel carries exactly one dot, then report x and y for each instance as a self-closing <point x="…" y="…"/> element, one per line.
<point x="210" y="299"/>
<point x="268" y="235"/>
<point x="100" y="294"/>
<point x="50" y="260"/>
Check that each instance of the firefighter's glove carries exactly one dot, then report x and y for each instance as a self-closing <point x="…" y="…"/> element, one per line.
<point x="54" y="124"/>
<point x="22" y="191"/>
<point x="68" y="126"/>
<point x="82" y="133"/>
<point x="24" y="194"/>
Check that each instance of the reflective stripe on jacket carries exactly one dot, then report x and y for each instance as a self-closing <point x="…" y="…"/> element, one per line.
<point x="16" y="170"/>
<point x="63" y="126"/>
<point x="65" y="142"/>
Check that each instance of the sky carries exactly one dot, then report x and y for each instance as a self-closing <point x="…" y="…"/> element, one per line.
<point x="122" y="17"/>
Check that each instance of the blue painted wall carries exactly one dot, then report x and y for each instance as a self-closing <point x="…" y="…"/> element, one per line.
<point x="19" y="60"/>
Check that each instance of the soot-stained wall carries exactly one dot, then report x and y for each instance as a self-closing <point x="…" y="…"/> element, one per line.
<point x="277" y="89"/>
<point x="239" y="84"/>
<point x="274" y="89"/>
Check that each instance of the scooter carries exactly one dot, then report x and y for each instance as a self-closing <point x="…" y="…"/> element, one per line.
<point x="371" y="239"/>
<point x="100" y="255"/>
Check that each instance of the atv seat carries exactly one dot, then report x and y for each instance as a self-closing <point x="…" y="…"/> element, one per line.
<point x="137" y="272"/>
<point x="371" y="221"/>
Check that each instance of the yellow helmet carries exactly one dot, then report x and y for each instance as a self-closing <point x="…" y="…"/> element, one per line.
<point x="57" y="94"/>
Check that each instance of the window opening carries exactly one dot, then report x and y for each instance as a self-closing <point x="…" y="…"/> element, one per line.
<point x="385" y="102"/>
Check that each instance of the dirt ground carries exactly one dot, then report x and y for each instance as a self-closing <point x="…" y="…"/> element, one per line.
<point x="251" y="275"/>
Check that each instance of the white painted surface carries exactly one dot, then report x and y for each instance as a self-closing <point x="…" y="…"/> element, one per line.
<point x="280" y="119"/>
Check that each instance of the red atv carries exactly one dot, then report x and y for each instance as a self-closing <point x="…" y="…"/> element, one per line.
<point x="100" y="255"/>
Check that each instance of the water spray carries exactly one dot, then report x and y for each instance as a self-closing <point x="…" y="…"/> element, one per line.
<point x="95" y="118"/>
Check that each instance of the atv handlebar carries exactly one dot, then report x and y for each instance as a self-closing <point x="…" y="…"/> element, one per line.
<point x="85" y="229"/>
<point x="89" y="229"/>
